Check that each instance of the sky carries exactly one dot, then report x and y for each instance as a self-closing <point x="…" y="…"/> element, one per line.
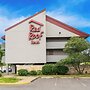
<point x="75" y="13"/>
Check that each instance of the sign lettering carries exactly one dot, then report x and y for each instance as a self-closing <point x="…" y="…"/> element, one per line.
<point x="35" y="34"/>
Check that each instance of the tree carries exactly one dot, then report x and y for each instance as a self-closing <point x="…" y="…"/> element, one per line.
<point x="75" y="60"/>
<point x="75" y="47"/>
<point x="2" y="53"/>
<point x="87" y="52"/>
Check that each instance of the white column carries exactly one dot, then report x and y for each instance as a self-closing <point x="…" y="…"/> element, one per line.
<point x="13" y="67"/>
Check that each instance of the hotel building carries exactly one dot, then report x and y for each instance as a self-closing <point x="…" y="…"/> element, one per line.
<point x="38" y="39"/>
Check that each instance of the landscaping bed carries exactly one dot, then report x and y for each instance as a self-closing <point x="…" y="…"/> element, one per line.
<point x="9" y="80"/>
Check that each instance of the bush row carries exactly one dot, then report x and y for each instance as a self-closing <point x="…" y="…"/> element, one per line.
<point x="24" y="72"/>
<point x="54" y="70"/>
<point x="48" y="69"/>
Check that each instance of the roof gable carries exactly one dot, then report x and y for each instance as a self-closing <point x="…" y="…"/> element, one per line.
<point x="54" y="21"/>
<point x="25" y="20"/>
<point x="65" y="26"/>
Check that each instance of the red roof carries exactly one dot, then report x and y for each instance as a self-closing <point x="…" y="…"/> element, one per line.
<point x="3" y="37"/>
<point x="54" y="21"/>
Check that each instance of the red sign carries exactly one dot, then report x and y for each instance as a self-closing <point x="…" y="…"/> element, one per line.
<point x="35" y="33"/>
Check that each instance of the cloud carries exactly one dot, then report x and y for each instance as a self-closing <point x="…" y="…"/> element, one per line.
<point x="73" y="20"/>
<point x="8" y="18"/>
<point x="6" y="22"/>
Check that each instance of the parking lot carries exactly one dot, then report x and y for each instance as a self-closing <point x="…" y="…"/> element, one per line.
<point x="53" y="84"/>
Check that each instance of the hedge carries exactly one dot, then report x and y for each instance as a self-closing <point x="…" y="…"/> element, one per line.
<point x="23" y="72"/>
<point x="33" y="72"/>
<point x="60" y="70"/>
<point x="47" y="69"/>
<point x="50" y="69"/>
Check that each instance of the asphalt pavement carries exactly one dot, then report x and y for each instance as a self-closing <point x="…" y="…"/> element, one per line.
<point x="52" y="84"/>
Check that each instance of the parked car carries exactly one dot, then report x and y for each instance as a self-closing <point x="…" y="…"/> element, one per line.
<point x="3" y="70"/>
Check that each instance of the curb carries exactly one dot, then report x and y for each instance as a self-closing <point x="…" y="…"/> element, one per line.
<point x="35" y="79"/>
<point x="63" y="77"/>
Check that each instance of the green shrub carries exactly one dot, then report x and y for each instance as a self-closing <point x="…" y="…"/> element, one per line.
<point x="47" y="69"/>
<point x="60" y="70"/>
<point x="23" y="72"/>
<point x="39" y="72"/>
<point x="55" y="69"/>
<point x="33" y="72"/>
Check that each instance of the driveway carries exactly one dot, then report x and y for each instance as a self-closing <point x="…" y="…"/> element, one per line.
<point x="53" y="84"/>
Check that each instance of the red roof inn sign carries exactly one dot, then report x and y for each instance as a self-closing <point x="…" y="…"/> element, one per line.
<point x="35" y="33"/>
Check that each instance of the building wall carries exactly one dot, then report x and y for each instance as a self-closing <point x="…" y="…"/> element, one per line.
<point x="56" y="39"/>
<point x="19" y="49"/>
<point x="56" y="43"/>
<point x="56" y="31"/>
<point x="30" y="67"/>
<point x="55" y="55"/>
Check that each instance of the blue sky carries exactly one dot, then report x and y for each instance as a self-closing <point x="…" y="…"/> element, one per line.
<point x="73" y="12"/>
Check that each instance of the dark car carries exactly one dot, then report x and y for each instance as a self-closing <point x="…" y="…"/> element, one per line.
<point x="4" y="70"/>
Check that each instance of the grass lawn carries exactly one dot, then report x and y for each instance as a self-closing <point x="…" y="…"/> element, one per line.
<point x="8" y="80"/>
